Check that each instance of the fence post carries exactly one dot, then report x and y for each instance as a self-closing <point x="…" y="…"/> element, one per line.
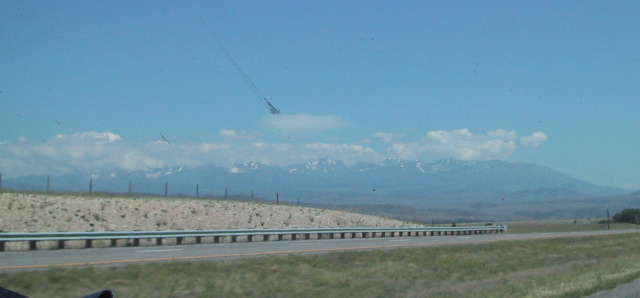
<point x="225" y="193"/>
<point x="277" y="198"/>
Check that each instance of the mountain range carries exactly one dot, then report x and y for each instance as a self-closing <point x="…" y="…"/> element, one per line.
<point x="480" y="187"/>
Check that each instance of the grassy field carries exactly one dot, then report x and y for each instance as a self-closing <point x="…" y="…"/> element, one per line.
<point x="570" y="267"/>
<point x="552" y="226"/>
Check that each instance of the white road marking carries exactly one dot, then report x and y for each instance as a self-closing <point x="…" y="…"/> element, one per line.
<point x="161" y="250"/>
<point x="304" y="243"/>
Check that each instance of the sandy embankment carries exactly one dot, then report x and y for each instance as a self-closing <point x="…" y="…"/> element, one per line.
<point x="46" y="213"/>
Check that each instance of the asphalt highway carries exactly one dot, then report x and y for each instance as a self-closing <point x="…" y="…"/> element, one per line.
<point x="29" y="260"/>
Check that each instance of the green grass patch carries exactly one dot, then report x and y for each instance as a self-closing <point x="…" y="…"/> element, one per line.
<point x="567" y="267"/>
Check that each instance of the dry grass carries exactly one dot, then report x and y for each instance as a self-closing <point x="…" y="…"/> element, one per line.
<point x="571" y="267"/>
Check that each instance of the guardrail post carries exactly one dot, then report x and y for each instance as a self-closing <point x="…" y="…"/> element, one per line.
<point x="216" y="239"/>
<point x="400" y="234"/>
<point x="393" y="234"/>
<point x="60" y="244"/>
<point x="159" y="241"/>
<point x="364" y="234"/>
<point x="293" y="236"/>
<point x="265" y="237"/>
<point x="249" y="238"/>
<point x="178" y="240"/>
<point x="341" y="235"/>
<point x="33" y="245"/>
<point x="234" y="238"/>
<point x="331" y="235"/>
<point x="198" y="239"/>
<point x="136" y="242"/>
<point x="307" y="236"/>
<point x="1" y="245"/>
<point x="353" y="235"/>
<point x="279" y="237"/>
<point x="114" y="242"/>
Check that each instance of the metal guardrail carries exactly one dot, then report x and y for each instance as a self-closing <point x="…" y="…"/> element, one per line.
<point x="34" y="237"/>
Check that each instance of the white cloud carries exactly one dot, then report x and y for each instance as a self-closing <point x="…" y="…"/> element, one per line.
<point x="93" y="137"/>
<point x="385" y="136"/>
<point x="93" y="150"/>
<point x="304" y="123"/>
<point x="534" y="140"/>
<point x="107" y="150"/>
<point x="459" y="144"/>
<point x="462" y="144"/>
<point x="232" y="134"/>
<point x="406" y="150"/>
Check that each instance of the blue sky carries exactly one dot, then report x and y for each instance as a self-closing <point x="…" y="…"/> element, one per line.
<point x="93" y="84"/>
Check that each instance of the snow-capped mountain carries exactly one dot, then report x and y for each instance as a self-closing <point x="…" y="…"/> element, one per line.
<point x="399" y="179"/>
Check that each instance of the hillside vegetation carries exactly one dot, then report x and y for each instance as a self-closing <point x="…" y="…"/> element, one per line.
<point x="20" y="212"/>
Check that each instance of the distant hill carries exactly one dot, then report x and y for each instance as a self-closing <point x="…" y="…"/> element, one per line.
<point x="470" y="186"/>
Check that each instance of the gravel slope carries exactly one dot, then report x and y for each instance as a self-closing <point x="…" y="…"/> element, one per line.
<point x="38" y="212"/>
